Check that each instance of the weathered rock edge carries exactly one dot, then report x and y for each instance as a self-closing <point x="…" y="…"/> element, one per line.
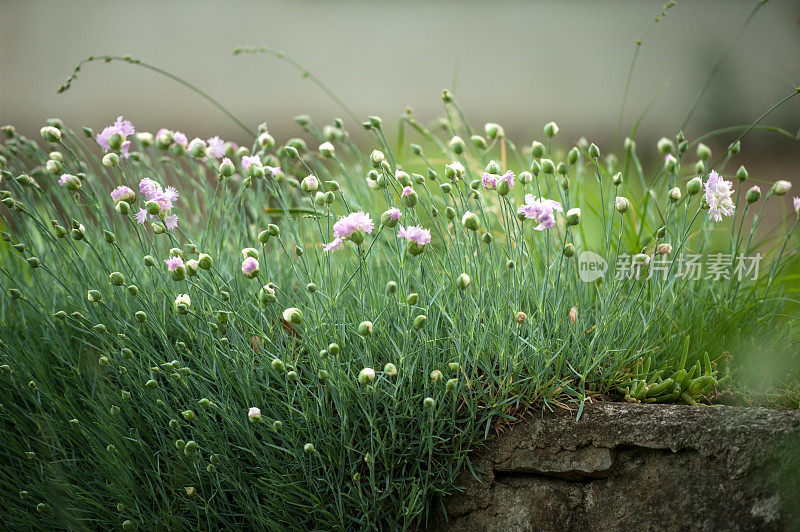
<point x="636" y="467"/>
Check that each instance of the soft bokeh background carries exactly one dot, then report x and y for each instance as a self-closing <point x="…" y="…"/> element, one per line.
<point x="517" y="63"/>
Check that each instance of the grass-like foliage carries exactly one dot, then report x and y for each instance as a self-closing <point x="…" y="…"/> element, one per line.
<point x="204" y="335"/>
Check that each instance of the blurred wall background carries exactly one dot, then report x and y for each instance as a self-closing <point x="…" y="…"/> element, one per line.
<point x="518" y="63"/>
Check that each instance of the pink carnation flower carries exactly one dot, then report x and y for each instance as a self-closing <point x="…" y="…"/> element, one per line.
<point x="65" y="179"/>
<point x="123" y="193"/>
<point x="153" y="191"/>
<point x="796" y="203"/>
<point x="490" y="181"/>
<point x="407" y="191"/>
<point x="121" y="127"/>
<point x="173" y="263"/>
<point x="392" y="213"/>
<point x="141" y="216"/>
<point x="335" y="244"/>
<point x="541" y="210"/>
<point x="718" y="197"/>
<point x="247" y="160"/>
<point x="415" y="234"/>
<point x="171" y="221"/>
<point x="357" y="221"/>
<point x="216" y="147"/>
<point x="249" y="266"/>
<point x="180" y="138"/>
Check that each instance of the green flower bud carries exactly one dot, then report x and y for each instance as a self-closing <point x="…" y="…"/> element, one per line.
<point x="188" y="415"/>
<point x="51" y="134"/>
<point x="569" y="249"/>
<point x="293" y="315"/>
<point x="152" y="207"/>
<point x="548" y="167"/>
<point x="470" y="221"/>
<point x="457" y="145"/>
<point x="478" y="141"/>
<point x="390" y="369"/>
<point x="141" y="316"/>
<point x="123" y="208"/>
<point x="377" y="157"/>
<point x="273" y="230"/>
<point x="309" y="448"/>
<point x="754" y="194"/>
<point x="675" y="194"/>
<point x="190" y="448"/>
<point x="451" y="384"/>
<point x="781" y="187"/>
<point x="266" y="295"/>
<point x="700" y="167"/>
<point x="94" y="296"/>
<point x="463" y="281"/>
<point x="487" y="238"/>
<point x="573" y="216"/>
<point x="412" y="299"/>
<point x="594" y="151"/>
<point x="419" y="321"/>
<point x="291" y="376"/>
<point x="537" y="149"/>
<point x="365" y="328"/>
<point x="54" y="167"/>
<point x="703" y="152"/>
<point x="617" y="179"/>
<point x="736" y="147"/>
<point x="741" y="174"/>
<point x="622" y="204"/>
<point x="103" y="361"/>
<point x="133" y="290"/>
<point x="694" y="186"/>
<point x="550" y="130"/>
<point x="366" y="376"/>
<point x="110" y="160"/>
<point x="665" y="146"/>
<point x="333" y="349"/>
<point x="429" y="403"/>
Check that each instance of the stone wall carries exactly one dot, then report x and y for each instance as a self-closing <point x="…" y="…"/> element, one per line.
<point x="636" y="467"/>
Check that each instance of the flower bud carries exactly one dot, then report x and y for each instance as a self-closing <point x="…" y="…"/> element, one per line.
<point x="266" y="141"/>
<point x="54" y="167"/>
<point x="123" y="207"/>
<point x="390" y="369"/>
<point x="470" y="221"/>
<point x="429" y="403"/>
<point x="617" y="179"/>
<point x="182" y="304"/>
<point x="569" y="249"/>
<point x="703" y="152"/>
<point x="273" y="230"/>
<point x="548" y="167"/>
<point x="550" y="130"/>
<point x="694" y="186"/>
<point x="293" y="315"/>
<point x="457" y="145"/>
<point x="197" y="148"/>
<point x="141" y="316"/>
<point x="366" y="376"/>
<point x="419" y="321"/>
<point x="152" y="207"/>
<point x="781" y="187"/>
<point x="573" y="216"/>
<point x="190" y="448"/>
<point x="310" y="184"/>
<point x="110" y="160"/>
<point x="699" y="167"/>
<point x="94" y="296"/>
<point x="665" y="146"/>
<point x="412" y="298"/>
<point x="675" y="194"/>
<point x="537" y="149"/>
<point x="525" y="178"/>
<point x="493" y="130"/>
<point x="664" y="249"/>
<point x="205" y="261"/>
<point x="377" y="157"/>
<point x="754" y="194"/>
<point x="463" y="281"/>
<point x="226" y="167"/>
<point x="51" y="134"/>
<point x="327" y="150"/>
<point x="622" y="204"/>
<point x="309" y="448"/>
<point x="117" y="279"/>
<point x="594" y="151"/>
<point x="629" y="144"/>
<point x="365" y="328"/>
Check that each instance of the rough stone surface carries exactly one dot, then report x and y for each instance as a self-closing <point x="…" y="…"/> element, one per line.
<point x="636" y="467"/>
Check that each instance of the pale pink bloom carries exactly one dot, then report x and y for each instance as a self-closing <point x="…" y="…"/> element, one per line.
<point x="669" y="158"/>
<point x="254" y="412"/>
<point x="541" y="210"/>
<point x="508" y="177"/>
<point x="415" y="234"/>
<point x="121" y="127"/>
<point x="796" y="203"/>
<point x="489" y="181"/>
<point x="216" y="147"/>
<point x="393" y="213"/>
<point x="247" y="160"/>
<point x="272" y="170"/>
<point x="141" y="216"/>
<point x="357" y="221"/>
<point x="249" y="265"/>
<point x="171" y="221"/>
<point x="335" y="244"/>
<point x="173" y="263"/>
<point x="718" y="197"/>
<point x="407" y="191"/>
<point x="67" y="178"/>
<point x="123" y="193"/>
<point x="180" y="138"/>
